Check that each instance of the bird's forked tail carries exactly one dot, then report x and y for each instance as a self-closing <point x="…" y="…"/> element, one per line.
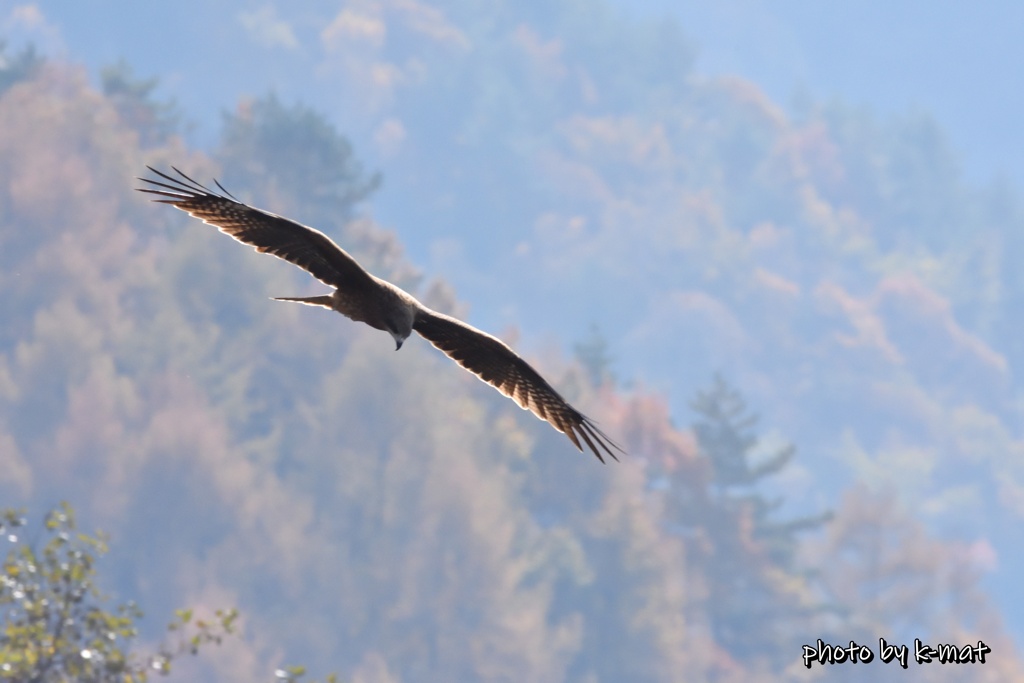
<point x="324" y="301"/>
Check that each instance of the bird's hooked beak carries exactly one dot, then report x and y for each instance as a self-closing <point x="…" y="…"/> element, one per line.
<point x="398" y="344"/>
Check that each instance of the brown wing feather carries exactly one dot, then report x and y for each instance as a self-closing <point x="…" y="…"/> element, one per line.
<point x="495" y="363"/>
<point x="272" y="234"/>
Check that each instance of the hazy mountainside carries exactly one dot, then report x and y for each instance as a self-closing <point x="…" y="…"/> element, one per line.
<point x="835" y="266"/>
<point x="811" y="258"/>
<point x="249" y="453"/>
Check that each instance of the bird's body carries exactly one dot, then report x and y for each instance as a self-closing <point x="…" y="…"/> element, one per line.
<point x="368" y="306"/>
<point x="365" y="298"/>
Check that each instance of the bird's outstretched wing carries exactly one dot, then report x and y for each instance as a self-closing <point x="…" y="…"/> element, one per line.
<point x="269" y="233"/>
<point x="495" y="363"/>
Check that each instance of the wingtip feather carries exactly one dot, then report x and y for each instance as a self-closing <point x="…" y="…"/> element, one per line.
<point x="602" y="439"/>
<point x="586" y="437"/>
<point x="224" y="190"/>
<point x="194" y="183"/>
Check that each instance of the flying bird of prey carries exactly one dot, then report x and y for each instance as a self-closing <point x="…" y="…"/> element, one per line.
<point x="360" y="296"/>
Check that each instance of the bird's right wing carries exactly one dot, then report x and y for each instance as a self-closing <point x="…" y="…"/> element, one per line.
<point x="494" y="362"/>
<point x="269" y="233"/>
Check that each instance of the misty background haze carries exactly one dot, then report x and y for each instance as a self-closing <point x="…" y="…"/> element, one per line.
<point x="819" y="204"/>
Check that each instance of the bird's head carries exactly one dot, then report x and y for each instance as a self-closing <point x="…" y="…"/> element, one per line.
<point x="397" y="312"/>
<point x="400" y="328"/>
<point x="398" y="339"/>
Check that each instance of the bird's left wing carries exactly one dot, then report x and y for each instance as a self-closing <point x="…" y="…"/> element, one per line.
<point x="272" y="234"/>
<point x="494" y="362"/>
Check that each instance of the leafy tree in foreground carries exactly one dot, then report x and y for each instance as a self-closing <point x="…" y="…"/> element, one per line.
<point x="56" y="623"/>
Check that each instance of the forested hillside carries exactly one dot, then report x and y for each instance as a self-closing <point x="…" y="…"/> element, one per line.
<point x="388" y="516"/>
